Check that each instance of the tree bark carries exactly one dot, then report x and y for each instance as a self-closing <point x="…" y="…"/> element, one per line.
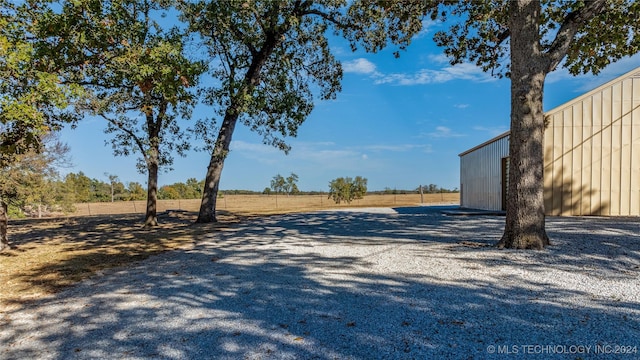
<point x="207" y="211"/>
<point x="151" y="218"/>
<point x="153" y="161"/>
<point x="4" y="224"/>
<point x="525" y="220"/>
<point x="251" y="79"/>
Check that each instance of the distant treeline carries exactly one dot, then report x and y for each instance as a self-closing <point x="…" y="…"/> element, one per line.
<point x="426" y="189"/>
<point x="79" y="188"/>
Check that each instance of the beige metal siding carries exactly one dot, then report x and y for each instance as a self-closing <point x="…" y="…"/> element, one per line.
<point x="592" y="152"/>
<point x="480" y="175"/>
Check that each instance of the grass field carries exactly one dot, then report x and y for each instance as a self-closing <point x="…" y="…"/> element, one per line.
<point x="266" y="204"/>
<point x="49" y="254"/>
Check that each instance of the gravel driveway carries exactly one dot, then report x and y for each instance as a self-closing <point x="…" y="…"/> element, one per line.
<point x="406" y="283"/>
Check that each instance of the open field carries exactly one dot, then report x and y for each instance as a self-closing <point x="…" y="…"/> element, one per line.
<point x="266" y="204"/>
<point x="49" y="254"/>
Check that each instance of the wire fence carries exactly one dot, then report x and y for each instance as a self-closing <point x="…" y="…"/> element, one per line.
<point x="265" y="203"/>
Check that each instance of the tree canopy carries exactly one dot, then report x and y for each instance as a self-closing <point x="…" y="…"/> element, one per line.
<point x="33" y="99"/>
<point x="347" y="189"/>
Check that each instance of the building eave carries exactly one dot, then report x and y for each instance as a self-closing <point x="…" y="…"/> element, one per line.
<point x="505" y="134"/>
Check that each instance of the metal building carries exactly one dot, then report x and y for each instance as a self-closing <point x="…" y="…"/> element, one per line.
<point x="591" y="156"/>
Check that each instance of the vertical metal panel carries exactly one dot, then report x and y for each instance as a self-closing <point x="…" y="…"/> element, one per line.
<point x="605" y="169"/>
<point x="625" y="147"/>
<point x="596" y="155"/>
<point x="549" y="162"/>
<point x="481" y="177"/>
<point x="634" y="208"/>
<point x="576" y="161"/>
<point x="616" y="142"/>
<point x="586" y="169"/>
<point x="567" y="161"/>
<point x="555" y="168"/>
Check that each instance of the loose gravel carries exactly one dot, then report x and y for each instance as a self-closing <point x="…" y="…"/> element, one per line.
<point x="405" y="283"/>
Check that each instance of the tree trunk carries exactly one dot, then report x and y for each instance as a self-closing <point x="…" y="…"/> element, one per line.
<point x="151" y="218"/>
<point x="207" y="211"/>
<point x="525" y="220"/>
<point x="153" y="163"/>
<point x="4" y="224"/>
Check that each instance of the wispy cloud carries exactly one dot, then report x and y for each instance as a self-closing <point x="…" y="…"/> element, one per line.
<point x="443" y="132"/>
<point x="323" y="154"/>
<point x="422" y="77"/>
<point x="239" y="145"/>
<point x="427" y="26"/>
<point x="359" y="66"/>
<point x="493" y="131"/>
<point x="401" y="148"/>
<point x="461" y="106"/>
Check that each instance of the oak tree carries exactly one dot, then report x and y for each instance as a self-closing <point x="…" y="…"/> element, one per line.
<point x="278" y="184"/>
<point x="347" y="189"/>
<point x="524" y="40"/>
<point x="270" y="59"/>
<point x="292" y="184"/>
<point x="33" y="100"/>
<point x="136" y="73"/>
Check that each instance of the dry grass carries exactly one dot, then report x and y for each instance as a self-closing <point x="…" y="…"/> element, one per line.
<point x="50" y="254"/>
<point x="265" y="204"/>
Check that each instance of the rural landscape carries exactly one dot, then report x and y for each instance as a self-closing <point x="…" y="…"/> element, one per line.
<point x="325" y="257"/>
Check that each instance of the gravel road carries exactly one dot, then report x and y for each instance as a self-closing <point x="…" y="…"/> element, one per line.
<point x="405" y="283"/>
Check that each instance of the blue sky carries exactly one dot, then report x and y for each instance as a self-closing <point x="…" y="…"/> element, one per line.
<point x="397" y="122"/>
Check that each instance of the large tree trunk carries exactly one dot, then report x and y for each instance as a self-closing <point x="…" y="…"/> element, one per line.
<point x="207" y="211"/>
<point x="4" y="224"/>
<point x="525" y="220"/>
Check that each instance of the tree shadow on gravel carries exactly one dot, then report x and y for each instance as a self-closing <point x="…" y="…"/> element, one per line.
<point x="325" y="286"/>
<point x="50" y="254"/>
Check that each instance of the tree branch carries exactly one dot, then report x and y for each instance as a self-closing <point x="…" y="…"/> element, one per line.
<point x="326" y="17"/>
<point x="569" y="28"/>
<point x="127" y="131"/>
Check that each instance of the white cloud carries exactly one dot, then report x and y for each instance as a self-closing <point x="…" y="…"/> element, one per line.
<point x="444" y="132"/>
<point x="359" y="66"/>
<point x="461" y="106"/>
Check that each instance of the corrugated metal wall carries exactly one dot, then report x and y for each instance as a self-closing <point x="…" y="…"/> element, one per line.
<point x="592" y="152"/>
<point x="481" y="174"/>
